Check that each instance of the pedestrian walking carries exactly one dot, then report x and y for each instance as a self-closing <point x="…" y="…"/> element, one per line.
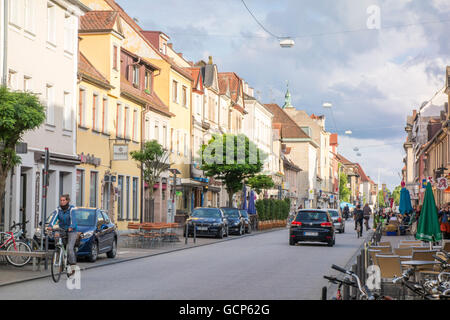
<point x="367" y="211"/>
<point x="359" y="218"/>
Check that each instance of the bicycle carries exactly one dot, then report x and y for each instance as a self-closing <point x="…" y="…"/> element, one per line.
<point x="425" y="292"/>
<point x="358" y="230"/>
<point x="365" y="292"/>
<point x="340" y="283"/>
<point x="23" y="236"/>
<point x="11" y="245"/>
<point x="59" y="257"/>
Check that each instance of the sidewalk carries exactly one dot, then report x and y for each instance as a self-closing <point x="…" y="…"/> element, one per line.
<point x="10" y="274"/>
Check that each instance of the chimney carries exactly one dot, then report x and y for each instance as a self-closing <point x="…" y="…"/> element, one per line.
<point x="250" y="91"/>
<point x="170" y="45"/>
<point x="180" y="54"/>
<point x="210" y="60"/>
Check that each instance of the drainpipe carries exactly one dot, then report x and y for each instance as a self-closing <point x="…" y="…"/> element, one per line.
<point x="5" y="44"/>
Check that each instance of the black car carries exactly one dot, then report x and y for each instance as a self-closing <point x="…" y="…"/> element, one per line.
<point x="248" y="227"/>
<point x="312" y="225"/>
<point x="99" y="234"/>
<point x="207" y="222"/>
<point x="236" y="223"/>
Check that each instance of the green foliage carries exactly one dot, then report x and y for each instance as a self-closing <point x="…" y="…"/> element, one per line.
<point x="19" y="113"/>
<point x="153" y="159"/>
<point x="272" y="209"/>
<point x="231" y="159"/>
<point x="396" y="195"/>
<point x="260" y="182"/>
<point x="344" y="191"/>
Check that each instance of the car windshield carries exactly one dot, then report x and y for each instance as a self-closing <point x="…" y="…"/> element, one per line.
<point x="84" y="217"/>
<point x="206" y="213"/>
<point x="244" y="213"/>
<point x="333" y="213"/>
<point x="231" y="212"/>
<point x="311" y="216"/>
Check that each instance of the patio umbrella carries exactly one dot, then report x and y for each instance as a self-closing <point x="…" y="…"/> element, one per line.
<point x="244" y="198"/>
<point x="405" y="201"/>
<point x="428" y="228"/>
<point x="251" y="203"/>
<point x="343" y="204"/>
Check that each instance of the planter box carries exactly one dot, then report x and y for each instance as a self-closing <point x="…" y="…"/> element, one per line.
<point x="391" y="233"/>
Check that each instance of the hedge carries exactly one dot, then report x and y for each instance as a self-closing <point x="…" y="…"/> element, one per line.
<point x="273" y="209"/>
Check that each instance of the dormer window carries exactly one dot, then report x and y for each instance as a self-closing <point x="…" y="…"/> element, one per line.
<point x="136" y="75"/>
<point x="148" y="81"/>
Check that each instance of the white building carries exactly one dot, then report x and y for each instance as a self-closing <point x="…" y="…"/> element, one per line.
<point x="40" y="54"/>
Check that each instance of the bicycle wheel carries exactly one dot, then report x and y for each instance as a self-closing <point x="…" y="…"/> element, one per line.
<point x="18" y="261"/>
<point x="57" y="264"/>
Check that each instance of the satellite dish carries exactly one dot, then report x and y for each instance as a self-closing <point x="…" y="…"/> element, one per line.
<point x="287" y="43"/>
<point x="356" y="149"/>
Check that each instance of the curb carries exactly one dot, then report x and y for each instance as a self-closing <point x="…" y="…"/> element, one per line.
<point x="144" y="256"/>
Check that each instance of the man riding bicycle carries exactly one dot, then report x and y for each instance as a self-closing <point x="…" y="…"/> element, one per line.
<point x="68" y="225"/>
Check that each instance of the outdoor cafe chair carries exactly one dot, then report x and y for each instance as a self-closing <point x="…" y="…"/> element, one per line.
<point x="372" y="254"/>
<point x="383" y="249"/>
<point x="390" y="267"/>
<point x="403" y="251"/>
<point x="384" y="244"/>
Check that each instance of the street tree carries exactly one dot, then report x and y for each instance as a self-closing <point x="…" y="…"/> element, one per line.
<point x="396" y="195"/>
<point x="261" y="182"/>
<point x="153" y="160"/>
<point x="231" y="159"/>
<point x="344" y="191"/>
<point x="20" y="112"/>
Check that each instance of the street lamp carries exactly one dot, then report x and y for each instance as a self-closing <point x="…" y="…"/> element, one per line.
<point x="174" y="172"/>
<point x="327" y="105"/>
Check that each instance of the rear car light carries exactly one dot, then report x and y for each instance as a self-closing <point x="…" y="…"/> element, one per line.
<point x="325" y="224"/>
<point x="296" y="223"/>
<point x="339" y="220"/>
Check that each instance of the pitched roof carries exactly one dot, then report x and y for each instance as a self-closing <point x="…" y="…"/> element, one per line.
<point x="342" y="159"/>
<point x="334" y="139"/>
<point x="98" y="21"/>
<point x="151" y="100"/>
<point x="362" y="173"/>
<point x="234" y="85"/>
<point x="197" y="77"/>
<point x="87" y="69"/>
<point x="289" y="129"/>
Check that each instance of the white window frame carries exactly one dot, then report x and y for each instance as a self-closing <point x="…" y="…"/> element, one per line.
<point x="96" y="109"/>
<point x="127" y="133"/>
<point x="67" y="121"/>
<point x="14" y="12"/>
<point x="68" y="33"/>
<point x="12" y="79"/>
<point x="51" y="23"/>
<point x="27" y="83"/>
<point x="29" y="17"/>
<point x="82" y="115"/>
<point x="105" y="115"/>
<point x="120" y="120"/>
<point x="50" y="103"/>
<point x="135" y="125"/>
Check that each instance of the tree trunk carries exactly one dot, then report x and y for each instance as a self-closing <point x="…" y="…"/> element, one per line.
<point x="3" y="176"/>
<point x="230" y="198"/>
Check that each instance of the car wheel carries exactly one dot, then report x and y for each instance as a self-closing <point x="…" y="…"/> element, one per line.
<point x="112" y="254"/>
<point x="292" y="242"/>
<point x="330" y="243"/>
<point x="94" y="252"/>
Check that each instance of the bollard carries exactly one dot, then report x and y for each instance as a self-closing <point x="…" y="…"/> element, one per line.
<point x="195" y="233"/>
<point x="324" y="293"/>
<point x="187" y="234"/>
<point x="354" y="291"/>
<point x="363" y="266"/>
<point x="346" y="292"/>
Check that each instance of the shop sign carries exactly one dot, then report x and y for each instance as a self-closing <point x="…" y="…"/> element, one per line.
<point x="90" y="159"/>
<point x="120" y="152"/>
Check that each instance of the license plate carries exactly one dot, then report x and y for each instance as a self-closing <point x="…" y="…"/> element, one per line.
<point x="202" y="228"/>
<point x="311" y="234"/>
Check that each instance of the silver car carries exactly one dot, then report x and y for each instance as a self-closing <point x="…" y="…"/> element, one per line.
<point x="338" y="221"/>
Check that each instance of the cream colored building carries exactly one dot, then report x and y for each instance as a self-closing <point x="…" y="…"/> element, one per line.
<point x="41" y="55"/>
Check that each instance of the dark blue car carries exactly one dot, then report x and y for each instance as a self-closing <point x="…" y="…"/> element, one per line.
<point x="99" y="234"/>
<point x="207" y="222"/>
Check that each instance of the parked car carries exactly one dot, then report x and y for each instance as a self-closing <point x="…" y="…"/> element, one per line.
<point x="236" y="222"/>
<point x="248" y="227"/>
<point x="99" y="234"/>
<point x="208" y="222"/>
<point x="312" y="225"/>
<point x="338" y="221"/>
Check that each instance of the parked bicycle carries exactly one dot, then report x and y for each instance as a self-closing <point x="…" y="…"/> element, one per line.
<point x="16" y="227"/>
<point x="429" y="290"/>
<point x="10" y="242"/>
<point x="365" y="292"/>
<point x="340" y="284"/>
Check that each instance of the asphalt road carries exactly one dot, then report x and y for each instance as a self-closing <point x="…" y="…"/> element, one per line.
<point x="258" y="267"/>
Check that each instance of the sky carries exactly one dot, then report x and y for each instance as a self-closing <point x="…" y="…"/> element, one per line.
<point x="374" y="77"/>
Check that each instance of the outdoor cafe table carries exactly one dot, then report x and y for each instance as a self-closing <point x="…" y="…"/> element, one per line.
<point x="418" y="263"/>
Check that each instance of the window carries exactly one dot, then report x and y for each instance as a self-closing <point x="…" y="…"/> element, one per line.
<point x="127" y="127"/>
<point x="50" y="111"/>
<point x="93" y="189"/>
<point x="185" y="145"/>
<point x="156" y="132"/>
<point x="100" y="220"/>
<point x="29" y="16"/>
<point x="51" y="23"/>
<point x="79" y="188"/>
<point x="105" y="119"/>
<point x="174" y="91"/>
<point x="148" y="81"/>
<point x="136" y="76"/>
<point x="178" y="142"/>
<point x="128" y="198"/>
<point x="69" y="33"/>
<point x="14" y="12"/>
<point x="115" y="57"/>
<point x="119" y="123"/>
<point x="26" y="83"/>
<point x="184" y="96"/>
<point x="82" y="107"/>
<point x="12" y="80"/>
<point x="135" y="198"/>
<point x="95" y="113"/>
<point x="136" y="125"/>
<point x="165" y="136"/>
<point x="171" y="139"/>
<point x="120" y="198"/>
<point x="67" y="123"/>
